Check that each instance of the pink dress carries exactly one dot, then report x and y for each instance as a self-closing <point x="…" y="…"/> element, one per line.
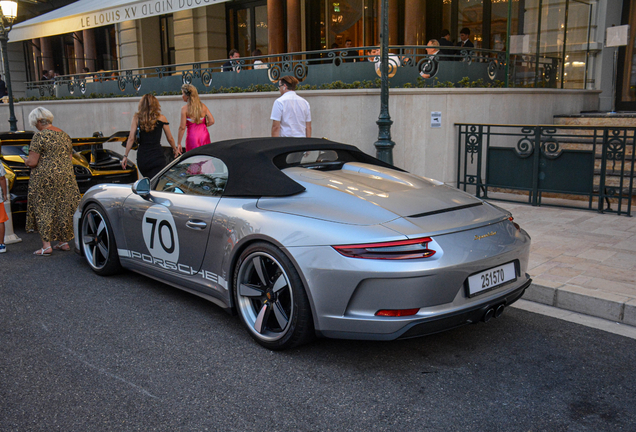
<point x="197" y="134"/>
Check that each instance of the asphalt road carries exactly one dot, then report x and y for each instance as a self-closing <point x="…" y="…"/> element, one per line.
<point x="79" y="352"/>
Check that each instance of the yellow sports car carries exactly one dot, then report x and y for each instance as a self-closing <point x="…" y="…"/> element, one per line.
<point x="91" y="162"/>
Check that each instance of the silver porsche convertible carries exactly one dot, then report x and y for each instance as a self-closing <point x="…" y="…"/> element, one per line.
<point x="306" y="237"/>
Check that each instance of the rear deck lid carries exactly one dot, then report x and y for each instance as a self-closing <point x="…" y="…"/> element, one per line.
<point x="362" y="194"/>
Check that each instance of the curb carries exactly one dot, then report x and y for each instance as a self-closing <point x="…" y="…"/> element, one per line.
<point x="621" y="309"/>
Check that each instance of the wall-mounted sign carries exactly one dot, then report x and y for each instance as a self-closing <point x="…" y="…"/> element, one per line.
<point x="436" y="119"/>
<point x="87" y="14"/>
<point x="617" y="36"/>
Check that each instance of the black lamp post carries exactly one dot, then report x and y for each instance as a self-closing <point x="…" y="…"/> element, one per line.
<point x="8" y="12"/>
<point x="384" y="145"/>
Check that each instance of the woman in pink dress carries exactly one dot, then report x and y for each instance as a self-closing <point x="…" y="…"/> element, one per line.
<point x="195" y="118"/>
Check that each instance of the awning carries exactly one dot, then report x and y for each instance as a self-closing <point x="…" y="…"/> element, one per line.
<point x="86" y="14"/>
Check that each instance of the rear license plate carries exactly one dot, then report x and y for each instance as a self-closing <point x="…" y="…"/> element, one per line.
<point x="491" y="278"/>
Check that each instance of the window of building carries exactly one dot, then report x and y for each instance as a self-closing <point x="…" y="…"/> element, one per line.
<point x="58" y="53"/>
<point x="342" y="20"/>
<point x="471" y="15"/>
<point x="248" y="27"/>
<point x="626" y="85"/>
<point x="499" y="23"/>
<point x="166" y="24"/>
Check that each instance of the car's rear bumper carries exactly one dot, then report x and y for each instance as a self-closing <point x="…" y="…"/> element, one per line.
<point x="469" y="316"/>
<point x="416" y="326"/>
<point x="347" y="293"/>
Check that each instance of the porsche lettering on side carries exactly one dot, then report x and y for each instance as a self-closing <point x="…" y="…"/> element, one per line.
<point x="306" y="237"/>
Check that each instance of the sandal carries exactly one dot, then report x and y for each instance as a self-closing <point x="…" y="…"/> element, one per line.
<point x="43" y="252"/>
<point x="62" y="246"/>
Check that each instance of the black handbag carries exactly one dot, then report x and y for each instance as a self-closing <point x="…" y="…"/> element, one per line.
<point x="135" y="145"/>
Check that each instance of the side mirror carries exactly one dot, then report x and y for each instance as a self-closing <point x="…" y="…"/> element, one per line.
<point x="142" y="187"/>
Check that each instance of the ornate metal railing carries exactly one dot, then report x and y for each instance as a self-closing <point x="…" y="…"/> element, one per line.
<point x="594" y="164"/>
<point x="410" y="66"/>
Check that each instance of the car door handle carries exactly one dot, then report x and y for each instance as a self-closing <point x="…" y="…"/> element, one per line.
<point x="196" y="224"/>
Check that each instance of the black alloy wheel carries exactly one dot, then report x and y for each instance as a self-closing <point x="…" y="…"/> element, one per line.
<point x="271" y="299"/>
<point x="97" y="241"/>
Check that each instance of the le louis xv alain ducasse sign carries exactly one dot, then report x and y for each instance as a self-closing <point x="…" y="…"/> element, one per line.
<point x="133" y="11"/>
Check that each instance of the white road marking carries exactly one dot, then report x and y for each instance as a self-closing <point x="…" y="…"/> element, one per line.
<point x="577" y="318"/>
<point x="101" y="370"/>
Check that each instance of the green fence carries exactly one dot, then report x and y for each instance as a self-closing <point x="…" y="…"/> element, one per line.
<point x="595" y="164"/>
<point x="410" y="66"/>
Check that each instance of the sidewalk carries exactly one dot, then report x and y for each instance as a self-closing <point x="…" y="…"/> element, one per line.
<point x="581" y="260"/>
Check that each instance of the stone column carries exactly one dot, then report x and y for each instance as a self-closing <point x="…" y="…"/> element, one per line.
<point x="79" y="52"/>
<point x="90" y="52"/>
<point x="184" y="37"/>
<point x="129" y="45"/>
<point x="46" y="52"/>
<point x="393" y="22"/>
<point x="36" y="55"/>
<point x="199" y="34"/>
<point x="216" y="38"/>
<point x="275" y="26"/>
<point x="294" y="39"/>
<point x="414" y="22"/>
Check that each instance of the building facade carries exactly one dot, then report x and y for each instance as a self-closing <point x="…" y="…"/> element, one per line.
<point x="130" y="34"/>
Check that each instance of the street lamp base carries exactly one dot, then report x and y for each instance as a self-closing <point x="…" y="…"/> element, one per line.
<point x="384" y="145"/>
<point x="384" y="150"/>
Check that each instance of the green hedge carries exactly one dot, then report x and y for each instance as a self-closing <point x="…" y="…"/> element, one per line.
<point x="336" y="85"/>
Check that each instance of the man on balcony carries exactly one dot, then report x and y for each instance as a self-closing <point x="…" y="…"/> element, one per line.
<point x="432" y="49"/>
<point x="350" y="54"/>
<point x="445" y="41"/>
<point x="232" y="64"/>
<point x="464" y="38"/>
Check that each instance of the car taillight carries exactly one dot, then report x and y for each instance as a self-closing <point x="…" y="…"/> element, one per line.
<point x="396" y="312"/>
<point x="511" y="219"/>
<point x="393" y="250"/>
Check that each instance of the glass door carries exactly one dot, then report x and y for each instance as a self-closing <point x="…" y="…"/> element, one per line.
<point x="331" y="23"/>
<point x="626" y="79"/>
<point x="168" y="56"/>
<point x="248" y="27"/>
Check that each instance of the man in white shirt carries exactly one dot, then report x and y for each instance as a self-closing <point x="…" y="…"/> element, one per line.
<point x="394" y="62"/>
<point x="291" y="115"/>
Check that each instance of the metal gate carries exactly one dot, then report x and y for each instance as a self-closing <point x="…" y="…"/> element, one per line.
<point x="594" y="164"/>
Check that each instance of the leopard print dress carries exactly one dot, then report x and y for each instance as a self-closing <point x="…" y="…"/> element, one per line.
<point x="53" y="192"/>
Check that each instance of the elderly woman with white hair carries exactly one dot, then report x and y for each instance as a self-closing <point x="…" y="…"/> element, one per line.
<point x="53" y="192"/>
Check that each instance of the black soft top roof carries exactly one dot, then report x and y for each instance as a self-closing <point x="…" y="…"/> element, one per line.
<point x="254" y="164"/>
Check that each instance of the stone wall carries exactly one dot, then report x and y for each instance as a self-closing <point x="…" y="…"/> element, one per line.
<point x="347" y="116"/>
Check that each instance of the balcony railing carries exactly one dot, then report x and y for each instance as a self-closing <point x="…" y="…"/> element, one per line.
<point x="409" y="66"/>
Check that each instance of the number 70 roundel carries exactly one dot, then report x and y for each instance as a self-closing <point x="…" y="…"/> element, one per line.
<point x="160" y="233"/>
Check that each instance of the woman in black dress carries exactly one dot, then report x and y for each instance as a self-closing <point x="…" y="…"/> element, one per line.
<point x="150" y="157"/>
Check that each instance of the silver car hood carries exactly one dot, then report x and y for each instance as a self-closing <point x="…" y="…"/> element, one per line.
<point x="361" y="194"/>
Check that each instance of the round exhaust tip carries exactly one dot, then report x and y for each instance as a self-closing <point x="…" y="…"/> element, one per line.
<point x="488" y="315"/>
<point x="499" y="310"/>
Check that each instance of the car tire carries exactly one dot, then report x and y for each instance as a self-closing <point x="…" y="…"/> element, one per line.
<point x="98" y="242"/>
<point x="270" y="298"/>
